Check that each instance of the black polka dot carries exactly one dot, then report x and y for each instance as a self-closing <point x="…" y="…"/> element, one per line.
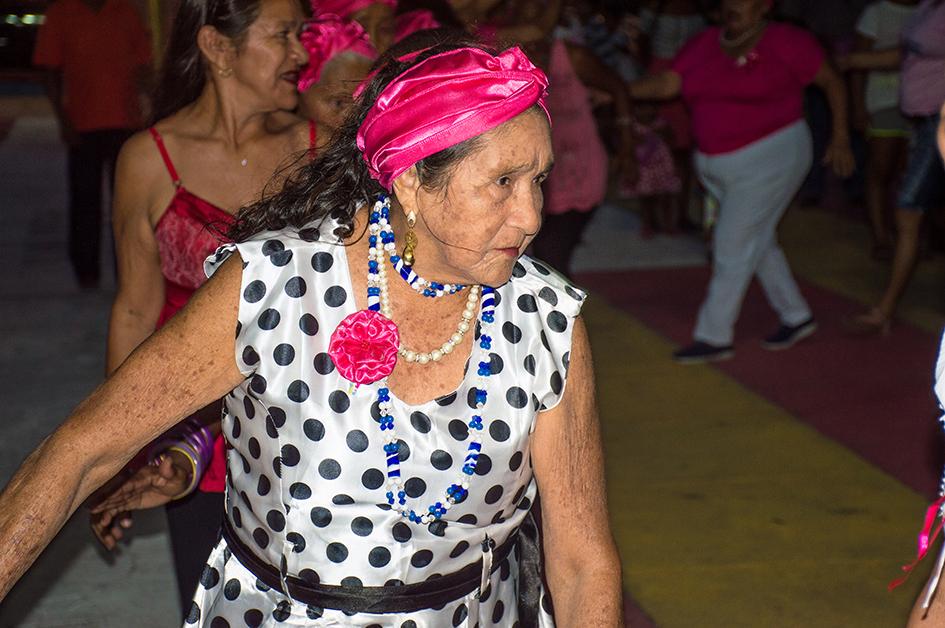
<point x="295" y="287"/>
<point x="525" y="504"/>
<point x="314" y="612"/>
<point x="337" y="552"/>
<point x="219" y="622"/>
<point x="460" y="614"/>
<point x="497" y="613"/>
<point x="300" y="490"/>
<point x="441" y="460"/>
<point x="409" y="624"/>
<point x="483" y="465"/>
<point x="297" y="541"/>
<point x="420" y="422"/>
<point x="511" y="332"/>
<point x="245" y="462"/>
<point x="277" y="466"/>
<point x="314" y="430"/>
<point x="516" y="397"/>
<point x="272" y="246"/>
<point x="329" y="469"/>
<point x="556" y="383"/>
<point x="544" y="340"/>
<point x="362" y="526"/>
<point x="372" y="479"/>
<point x="574" y="294"/>
<point x="321" y="517"/>
<point x="308" y="324"/>
<point x="193" y="616"/>
<point x="257" y="384"/>
<point x="469" y="520"/>
<point x="495" y="363"/>
<point x="415" y="487"/>
<point x="254" y="291"/>
<point x="335" y="296"/>
<point x="253" y="618"/>
<point x="281" y="258"/>
<point x="515" y="461"/>
<point x="283" y="354"/>
<point x="499" y="430"/>
<point x="548" y="295"/>
<point x="254" y="449"/>
<point x="547" y="605"/>
<point x="342" y="500"/>
<point x="250" y="357"/>
<point x="529" y="364"/>
<point x="269" y="319"/>
<point x="437" y="528"/>
<point x="276" y="520"/>
<point x="263" y="486"/>
<point x="298" y="391"/>
<point x="323" y="364"/>
<point x="236" y="428"/>
<point x="566" y="360"/>
<point x="277" y="414"/>
<point x="446" y="400"/>
<point x="352" y="582"/>
<point x="357" y="441"/>
<point x="542" y="270"/>
<point x="338" y="401"/>
<point x="403" y="450"/>
<point x="421" y="559"/>
<point x="322" y="262"/>
<point x="209" y="578"/>
<point x="237" y="517"/>
<point x="309" y="234"/>
<point x="248" y="408"/>
<point x="557" y="321"/>
<point x="290" y="455"/>
<point x="518" y="271"/>
<point x="379" y="557"/>
<point x="494" y="494"/>
<point x="401" y="532"/>
<point x="261" y="538"/>
<point x="458" y="429"/>
<point x="231" y="590"/>
<point x="262" y="586"/>
<point x="527" y="303"/>
<point x="461" y="547"/>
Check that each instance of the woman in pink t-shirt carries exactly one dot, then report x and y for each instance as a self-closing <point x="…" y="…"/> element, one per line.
<point x="743" y="83"/>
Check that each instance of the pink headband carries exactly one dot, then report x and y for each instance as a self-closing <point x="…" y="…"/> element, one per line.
<point x="444" y="100"/>
<point x="345" y="8"/>
<point x="326" y="36"/>
<point x="413" y="21"/>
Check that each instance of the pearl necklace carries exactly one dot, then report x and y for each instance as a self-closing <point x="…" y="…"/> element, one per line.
<point x="381" y="244"/>
<point x="380" y="240"/>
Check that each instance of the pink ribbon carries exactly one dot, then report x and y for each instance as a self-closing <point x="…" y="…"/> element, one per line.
<point x="326" y="36"/>
<point x="926" y="537"/>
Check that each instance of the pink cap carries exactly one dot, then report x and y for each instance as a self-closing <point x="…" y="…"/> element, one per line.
<point x="345" y="8"/>
<point x="444" y="100"/>
<point x="413" y="21"/>
<point x="326" y="36"/>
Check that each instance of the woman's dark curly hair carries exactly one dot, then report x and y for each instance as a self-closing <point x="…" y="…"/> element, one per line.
<point x="337" y="182"/>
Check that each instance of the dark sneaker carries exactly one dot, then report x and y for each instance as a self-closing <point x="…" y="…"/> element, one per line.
<point x="699" y="352"/>
<point x="789" y="335"/>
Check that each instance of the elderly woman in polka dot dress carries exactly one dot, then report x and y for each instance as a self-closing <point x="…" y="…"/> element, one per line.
<point x="395" y="387"/>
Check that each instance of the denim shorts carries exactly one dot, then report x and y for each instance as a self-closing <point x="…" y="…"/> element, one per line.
<point x="923" y="183"/>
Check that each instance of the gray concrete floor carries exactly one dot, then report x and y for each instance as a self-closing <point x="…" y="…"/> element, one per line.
<point x="51" y="356"/>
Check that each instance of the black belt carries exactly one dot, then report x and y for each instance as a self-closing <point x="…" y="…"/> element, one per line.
<point x="405" y="598"/>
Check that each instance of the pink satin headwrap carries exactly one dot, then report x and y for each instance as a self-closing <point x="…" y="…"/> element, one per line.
<point x="345" y="8"/>
<point x="326" y="36"/>
<point x="444" y="100"/>
<point x="413" y="21"/>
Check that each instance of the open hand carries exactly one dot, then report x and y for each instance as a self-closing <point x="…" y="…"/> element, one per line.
<point x="839" y="157"/>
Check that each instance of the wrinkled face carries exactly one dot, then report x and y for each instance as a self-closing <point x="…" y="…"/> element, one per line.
<point x="740" y="16"/>
<point x="328" y="100"/>
<point x="475" y="227"/>
<point x="266" y="63"/>
<point x="378" y="20"/>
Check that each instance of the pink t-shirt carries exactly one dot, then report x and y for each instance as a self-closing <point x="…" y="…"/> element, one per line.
<point x="922" y="82"/>
<point x="736" y="102"/>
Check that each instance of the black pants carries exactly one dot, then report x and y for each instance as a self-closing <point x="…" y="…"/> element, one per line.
<point x="560" y="234"/>
<point x="88" y="160"/>
<point x="194" y="525"/>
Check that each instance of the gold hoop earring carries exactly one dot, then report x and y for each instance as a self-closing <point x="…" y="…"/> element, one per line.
<point x="225" y="72"/>
<point x="410" y="241"/>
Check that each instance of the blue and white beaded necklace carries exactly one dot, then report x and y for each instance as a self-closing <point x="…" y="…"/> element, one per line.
<point x="381" y="242"/>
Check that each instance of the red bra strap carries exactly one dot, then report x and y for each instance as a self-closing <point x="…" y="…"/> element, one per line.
<point x="312" y="137"/>
<point x="167" y="158"/>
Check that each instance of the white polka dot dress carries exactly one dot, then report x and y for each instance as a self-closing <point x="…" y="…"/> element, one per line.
<point x="306" y="465"/>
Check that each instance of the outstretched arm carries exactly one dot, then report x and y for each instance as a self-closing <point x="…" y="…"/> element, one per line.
<point x="838" y="154"/>
<point x="583" y="570"/>
<point x="187" y="364"/>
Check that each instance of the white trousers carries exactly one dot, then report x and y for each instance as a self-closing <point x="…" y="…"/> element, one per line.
<point x="754" y="186"/>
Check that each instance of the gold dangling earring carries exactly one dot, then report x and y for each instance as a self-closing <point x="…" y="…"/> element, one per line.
<point x="410" y="241"/>
<point x="225" y="72"/>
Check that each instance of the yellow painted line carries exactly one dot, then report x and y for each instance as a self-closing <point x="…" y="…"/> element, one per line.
<point x="728" y="511"/>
